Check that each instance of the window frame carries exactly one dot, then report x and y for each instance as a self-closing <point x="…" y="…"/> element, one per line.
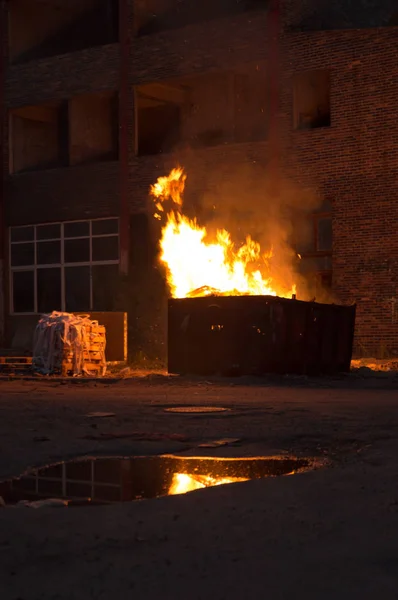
<point x="315" y="253"/>
<point x="62" y="265"/>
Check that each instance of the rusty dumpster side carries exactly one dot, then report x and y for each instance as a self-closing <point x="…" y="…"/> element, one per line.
<point x="258" y="335"/>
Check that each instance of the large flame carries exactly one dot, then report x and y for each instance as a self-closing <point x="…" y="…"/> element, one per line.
<point x="198" y="266"/>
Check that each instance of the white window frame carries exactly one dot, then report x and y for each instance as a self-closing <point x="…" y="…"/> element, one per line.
<point x="61" y="265"/>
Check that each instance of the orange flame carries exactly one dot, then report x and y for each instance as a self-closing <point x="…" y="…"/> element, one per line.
<point x="197" y="266"/>
<point x="183" y="483"/>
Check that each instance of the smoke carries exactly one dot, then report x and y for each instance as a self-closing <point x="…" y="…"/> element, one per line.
<point x="246" y="203"/>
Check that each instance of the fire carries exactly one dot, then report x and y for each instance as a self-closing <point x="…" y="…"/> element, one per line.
<point x="183" y="482"/>
<point x="199" y="266"/>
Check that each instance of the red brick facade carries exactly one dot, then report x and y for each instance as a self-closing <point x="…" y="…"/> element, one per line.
<point x="352" y="164"/>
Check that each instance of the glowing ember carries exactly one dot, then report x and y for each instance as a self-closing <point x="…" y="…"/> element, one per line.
<point x="183" y="483"/>
<point x="198" y="266"/>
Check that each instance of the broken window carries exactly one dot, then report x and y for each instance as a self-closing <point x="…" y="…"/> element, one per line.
<point x="312" y="100"/>
<point x="93" y="128"/>
<point x="313" y="234"/>
<point x="38" y="29"/>
<point x="159" y="113"/>
<point x="38" y="137"/>
<point x="251" y="101"/>
<point x="202" y="111"/>
<point x="63" y="266"/>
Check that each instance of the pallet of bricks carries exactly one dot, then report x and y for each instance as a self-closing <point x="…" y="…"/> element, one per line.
<point x="67" y="344"/>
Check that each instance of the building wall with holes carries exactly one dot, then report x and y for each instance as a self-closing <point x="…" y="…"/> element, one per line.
<point x="354" y="164"/>
<point x="339" y="149"/>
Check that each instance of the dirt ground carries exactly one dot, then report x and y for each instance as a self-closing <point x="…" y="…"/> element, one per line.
<point x="331" y="533"/>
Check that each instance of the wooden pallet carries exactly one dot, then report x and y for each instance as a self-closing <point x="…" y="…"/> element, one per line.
<point x="90" y="356"/>
<point x="15" y="360"/>
<point x="95" y="368"/>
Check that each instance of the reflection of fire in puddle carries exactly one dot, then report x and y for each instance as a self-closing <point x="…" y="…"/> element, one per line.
<point x="107" y="480"/>
<point x="183" y="482"/>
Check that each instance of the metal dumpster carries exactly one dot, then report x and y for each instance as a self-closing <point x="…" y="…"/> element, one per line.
<point x="256" y="335"/>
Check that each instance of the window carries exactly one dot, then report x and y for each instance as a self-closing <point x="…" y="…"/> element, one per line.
<point x="312" y="100"/>
<point x="69" y="267"/>
<point x="159" y="115"/>
<point x="323" y="233"/>
<point x="40" y="29"/>
<point x="152" y="16"/>
<point x="93" y="128"/>
<point x="83" y="129"/>
<point x="39" y="137"/>
<point x="314" y="244"/>
<point x="314" y="235"/>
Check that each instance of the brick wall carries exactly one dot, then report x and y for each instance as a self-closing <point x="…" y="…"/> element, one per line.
<point x="79" y="192"/>
<point x="340" y="14"/>
<point x="353" y="163"/>
<point x="64" y="193"/>
<point x="58" y="77"/>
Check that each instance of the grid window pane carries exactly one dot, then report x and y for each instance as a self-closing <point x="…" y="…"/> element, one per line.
<point x="48" y="290"/>
<point x="105" y="248"/>
<point x="48" y="232"/>
<point x="77" y="250"/>
<point x="77" y="289"/>
<point x="50" y="259"/>
<point x="23" y="288"/>
<point x="77" y="229"/>
<point x="105" y="226"/>
<point x="22" y="234"/>
<point x="105" y="280"/>
<point x="48" y="253"/>
<point x="22" y="255"/>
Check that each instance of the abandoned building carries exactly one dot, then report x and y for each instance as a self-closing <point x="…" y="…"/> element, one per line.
<point x="101" y="97"/>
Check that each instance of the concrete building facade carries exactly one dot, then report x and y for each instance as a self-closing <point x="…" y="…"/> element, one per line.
<point x="100" y="97"/>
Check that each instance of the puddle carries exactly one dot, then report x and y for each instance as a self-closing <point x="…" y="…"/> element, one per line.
<point x="196" y="409"/>
<point x="108" y="480"/>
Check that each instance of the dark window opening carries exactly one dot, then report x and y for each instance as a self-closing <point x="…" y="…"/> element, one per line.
<point x="393" y="21"/>
<point x="23" y="291"/>
<point x="48" y="290"/>
<point x="251" y="105"/>
<point x="312" y="100"/>
<point x="105" y="248"/>
<point x="22" y="234"/>
<point x="94" y="128"/>
<point x="48" y="232"/>
<point x="105" y="284"/>
<point x="313" y="234"/>
<point x="39" y="137"/>
<point x="153" y="16"/>
<point x="84" y="129"/>
<point x="159" y="118"/>
<point x="22" y="255"/>
<point x="48" y="253"/>
<point x="77" y="250"/>
<point x="40" y="29"/>
<point x="203" y="111"/>
<point x="77" y="289"/>
<point x="77" y="229"/>
<point x="105" y="226"/>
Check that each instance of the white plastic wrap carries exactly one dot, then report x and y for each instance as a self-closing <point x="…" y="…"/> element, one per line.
<point x="64" y="338"/>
